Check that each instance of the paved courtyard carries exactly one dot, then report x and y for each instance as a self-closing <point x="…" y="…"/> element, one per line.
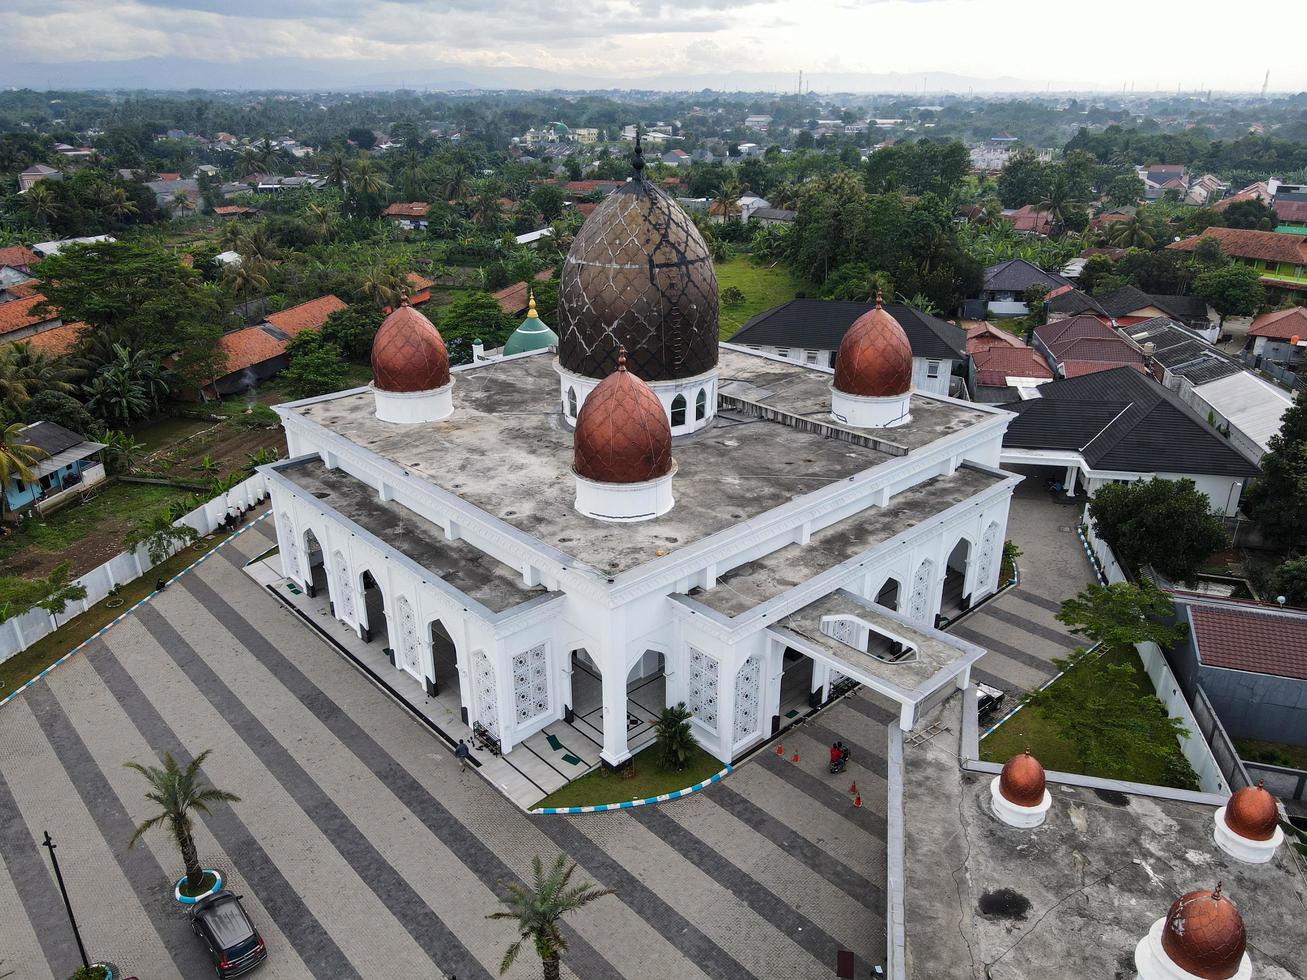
<point x="359" y="848"/>
<point x="1019" y="628"/>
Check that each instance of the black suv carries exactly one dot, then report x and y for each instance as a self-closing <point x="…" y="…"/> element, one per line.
<point x="234" y="943"/>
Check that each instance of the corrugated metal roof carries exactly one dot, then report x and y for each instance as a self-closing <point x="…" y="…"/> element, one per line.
<point x="1251" y="405"/>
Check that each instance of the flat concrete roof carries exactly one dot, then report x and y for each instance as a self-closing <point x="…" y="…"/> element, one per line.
<point x="1071" y="898"/>
<point x="742" y="588"/>
<point x="470" y="570"/>
<point x="507" y="451"/>
<point x="935" y="651"/>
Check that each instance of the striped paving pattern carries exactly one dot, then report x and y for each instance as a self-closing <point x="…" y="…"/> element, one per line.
<point x="360" y="849"/>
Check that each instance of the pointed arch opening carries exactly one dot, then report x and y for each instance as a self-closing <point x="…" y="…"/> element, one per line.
<point x="701" y="405"/>
<point x="889" y="593"/>
<point x="678" y="411"/>
<point x="571" y="403"/>
<point x="953" y="597"/>
<point x="315" y="567"/>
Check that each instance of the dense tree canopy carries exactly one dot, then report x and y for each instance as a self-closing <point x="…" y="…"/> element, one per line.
<point x="1166" y="525"/>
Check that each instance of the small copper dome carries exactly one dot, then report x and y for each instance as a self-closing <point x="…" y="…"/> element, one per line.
<point x="408" y="353"/>
<point x="622" y="433"/>
<point x="875" y="358"/>
<point x="1251" y="813"/>
<point x="638" y="274"/>
<point x="1022" y="780"/>
<point x="1204" y="934"/>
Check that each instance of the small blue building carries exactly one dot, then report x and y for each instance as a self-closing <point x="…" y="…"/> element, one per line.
<point x="68" y="465"/>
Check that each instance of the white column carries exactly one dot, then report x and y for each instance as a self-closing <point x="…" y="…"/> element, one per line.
<point x="1071" y="472"/>
<point x="728" y="667"/>
<point x="503" y="661"/>
<point x="614" y="667"/>
<point x="773" y="667"/>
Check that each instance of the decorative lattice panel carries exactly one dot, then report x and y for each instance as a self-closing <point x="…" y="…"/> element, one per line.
<point x="408" y="636"/>
<point x="918" y="609"/>
<point x="748" y="699"/>
<point x="292" y="546"/>
<point x="988" y="551"/>
<point x="345" y="582"/>
<point x="702" y="687"/>
<point x="486" y="695"/>
<point x="531" y="683"/>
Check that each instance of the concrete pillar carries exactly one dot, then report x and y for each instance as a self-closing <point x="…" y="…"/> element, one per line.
<point x="773" y="666"/>
<point x="1071" y="472"/>
<point x="614" y="666"/>
<point x="820" y="682"/>
<point x="727" y="667"/>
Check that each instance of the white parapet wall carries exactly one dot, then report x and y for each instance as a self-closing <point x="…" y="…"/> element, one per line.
<point x="20" y="632"/>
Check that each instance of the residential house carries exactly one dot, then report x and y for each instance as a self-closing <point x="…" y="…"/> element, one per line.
<point x="1029" y="220"/>
<point x="419" y="288"/>
<point x="532" y="239"/>
<point x="208" y="169"/>
<point x="24" y="318"/>
<point x="584" y="188"/>
<point x="19" y="258"/>
<point x="1207" y="189"/>
<point x="809" y="331"/>
<point x="1104" y="218"/>
<point x="16" y="285"/>
<point x="231" y="211"/>
<point x="1129" y="305"/>
<point x="773" y="216"/>
<point x="676" y="158"/>
<point x="585" y="134"/>
<point x="1116" y="426"/>
<point x="1173" y="352"/>
<point x="256" y="353"/>
<point x="1292" y="213"/>
<point x="171" y="193"/>
<point x="1159" y="178"/>
<point x="760" y="123"/>
<point x="35" y="174"/>
<point x="1258" y="191"/>
<point x="411" y="214"/>
<point x="56" y="341"/>
<point x="1280" y="259"/>
<point x="1068" y="301"/>
<point x="1006" y="284"/>
<point x="1084" y="344"/>
<point x="513" y="299"/>
<point x="1279" y="337"/>
<point x="1003" y="368"/>
<point x="69" y="465"/>
<point x="47" y="249"/>
<point x="1247" y="408"/>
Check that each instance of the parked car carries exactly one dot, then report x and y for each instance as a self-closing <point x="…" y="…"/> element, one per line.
<point x="234" y="944"/>
<point x="988" y="701"/>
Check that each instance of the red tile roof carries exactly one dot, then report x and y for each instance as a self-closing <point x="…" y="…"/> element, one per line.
<point x="56" y="341"/>
<point x="22" y="290"/>
<point x="18" y="256"/>
<point x="590" y="186"/>
<point x="307" y="316"/>
<point x="1267" y="641"/>
<point x="1253" y="192"/>
<point x="586" y="208"/>
<point x="985" y="335"/>
<point x="247" y="347"/>
<point x="1291" y="211"/>
<point x="170" y="177"/>
<point x="1077" y="369"/>
<point x="1244" y="243"/>
<point x="19" y="314"/>
<point x="419" y="288"/>
<point x="1281" y="325"/>
<point x="410" y="209"/>
<point x="512" y="299"/>
<point x="230" y="210"/>
<point x="1030" y="218"/>
<point x="995" y="365"/>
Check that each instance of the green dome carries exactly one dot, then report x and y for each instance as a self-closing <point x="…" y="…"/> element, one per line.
<point x="531" y="335"/>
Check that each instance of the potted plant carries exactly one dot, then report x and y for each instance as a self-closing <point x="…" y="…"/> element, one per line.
<point x="177" y="792"/>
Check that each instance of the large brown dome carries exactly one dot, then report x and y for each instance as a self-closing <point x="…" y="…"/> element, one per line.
<point x="622" y="433"/>
<point x="1022" y="780"/>
<point x="1204" y="934"/>
<point x="639" y="275"/>
<point x="1251" y="813"/>
<point x="408" y="353"/>
<point x="875" y="357"/>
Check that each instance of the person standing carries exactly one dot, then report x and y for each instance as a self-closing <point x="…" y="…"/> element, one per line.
<point x="462" y="753"/>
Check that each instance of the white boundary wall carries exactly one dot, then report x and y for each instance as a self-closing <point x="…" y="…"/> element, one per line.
<point x="20" y="632"/>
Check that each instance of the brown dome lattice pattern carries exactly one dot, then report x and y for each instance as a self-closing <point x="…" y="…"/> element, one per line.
<point x="622" y="434"/>
<point x="408" y="353"/>
<point x="875" y="356"/>
<point x="1251" y="812"/>
<point x="1022" y="780"/>
<point x="638" y="275"/>
<point x="1204" y="934"/>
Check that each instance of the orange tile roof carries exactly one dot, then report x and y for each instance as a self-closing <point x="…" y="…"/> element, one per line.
<point x="417" y="281"/>
<point x="227" y="210"/>
<point x="512" y="299"/>
<point x="19" y="314"/>
<point x="248" y="346"/>
<point x="307" y="316"/>
<point x="1281" y="325"/>
<point x="410" y="209"/>
<point x="56" y="341"/>
<point x="994" y="365"/>
<point x="985" y="335"/>
<point x="22" y="290"/>
<point x="1245" y="243"/>
<point x="18" y="256"/>
<point x="586" y="208"/>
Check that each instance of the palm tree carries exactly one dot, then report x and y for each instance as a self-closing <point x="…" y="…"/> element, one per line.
<point x="179" y="791"/>
<point x="322" y="218"/>
<point x="257" y="244"/>
<point x="40" y="203"/>
<point x="249" y="163"/>
<point x="1059" y="203"/>
<point x="453" y="182"/>
<point x="119" y="206"/>
<point x="539" y="910"/>
<point x="381" y="286"/>
<point x="365" y="178"/>
<point x="17" y="458"/>
<point x="245" y="278"/>
<point x="1136" y="231"/>
<point x="335" y="166"/>
<point x="485" y="202"/>
<point x="232" y="236"/>
<point x="160" y="536"/>
<point x="26" y="371"/>
<point x="726" y="205"/>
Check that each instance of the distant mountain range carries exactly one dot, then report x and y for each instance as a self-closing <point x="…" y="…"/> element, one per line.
<point x="341" y="75"/>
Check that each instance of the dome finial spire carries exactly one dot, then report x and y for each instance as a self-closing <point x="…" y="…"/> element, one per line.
<point x="531" y="305"/>
<point x="621" y="357"/>
<point x="878" y="298"/>
<point x="637" y="161"/>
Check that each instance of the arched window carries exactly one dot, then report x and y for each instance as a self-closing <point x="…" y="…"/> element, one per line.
<point x="701" y="405"/>
<point x="571" y="402"/>
<point x="678" y="411"/>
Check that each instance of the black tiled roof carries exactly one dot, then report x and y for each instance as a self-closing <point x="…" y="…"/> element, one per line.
<point x="820" y="324"/>
<point x="1121" y="420"/>
<point x="1075" y="302"/>
<point x="1015" y="275"/>
<point x="49" y="437"/>
<point x="1121" y="301"/>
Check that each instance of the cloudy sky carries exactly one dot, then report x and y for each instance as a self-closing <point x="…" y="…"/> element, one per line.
<point x="1105" y="45"/>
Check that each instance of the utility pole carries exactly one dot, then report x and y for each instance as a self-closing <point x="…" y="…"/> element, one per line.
<point x="63" y="890"/>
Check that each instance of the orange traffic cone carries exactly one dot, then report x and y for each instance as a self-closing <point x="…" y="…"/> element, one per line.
<point x="780" y="749"/>
<point x="854" y="789"/>
<point x="857" y="800"/>
<point x="796" y="757"/>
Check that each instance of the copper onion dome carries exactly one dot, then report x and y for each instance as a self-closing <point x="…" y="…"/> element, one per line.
<point x="1022" y="780"/>
<point x="408" y="353"/>
<point x="622" y="433"/>
<point x="1251" y="813"/>
<point x="1204" y="934"/>
<point x="875" y="358"/>
<point x="639" y="275"/>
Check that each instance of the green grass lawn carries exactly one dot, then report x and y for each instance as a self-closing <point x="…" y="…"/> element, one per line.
<point x="166" y="431"/>
<point x="1044" y="738"/>
<point x="764" y="285"/>
<point x="604" y="786"/>
<point x="19" y="669"/>
<point x="1272" y="753"/>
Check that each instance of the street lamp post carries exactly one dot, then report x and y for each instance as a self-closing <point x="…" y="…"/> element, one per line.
<point x="58" y="875"/>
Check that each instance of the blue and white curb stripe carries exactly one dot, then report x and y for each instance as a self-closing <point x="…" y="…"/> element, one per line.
<point x="193" y="900"/>
<point x="1093" y="558"/>
<point x="605" y="807"/>
<point x="129" y="610"/>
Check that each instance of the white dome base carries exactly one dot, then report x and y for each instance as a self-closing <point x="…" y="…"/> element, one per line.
<point x="574" y="389"/>
<point x="1025" y="817"/>
<point x="866" y="412"/>
<point x="625" y="502"/>
<point x="1152" y="963"/>
<point x="1241" y="848"/>
<point x="413" y="407"/>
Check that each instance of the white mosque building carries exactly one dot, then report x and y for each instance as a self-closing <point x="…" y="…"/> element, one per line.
<point x="645" y="516"/>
